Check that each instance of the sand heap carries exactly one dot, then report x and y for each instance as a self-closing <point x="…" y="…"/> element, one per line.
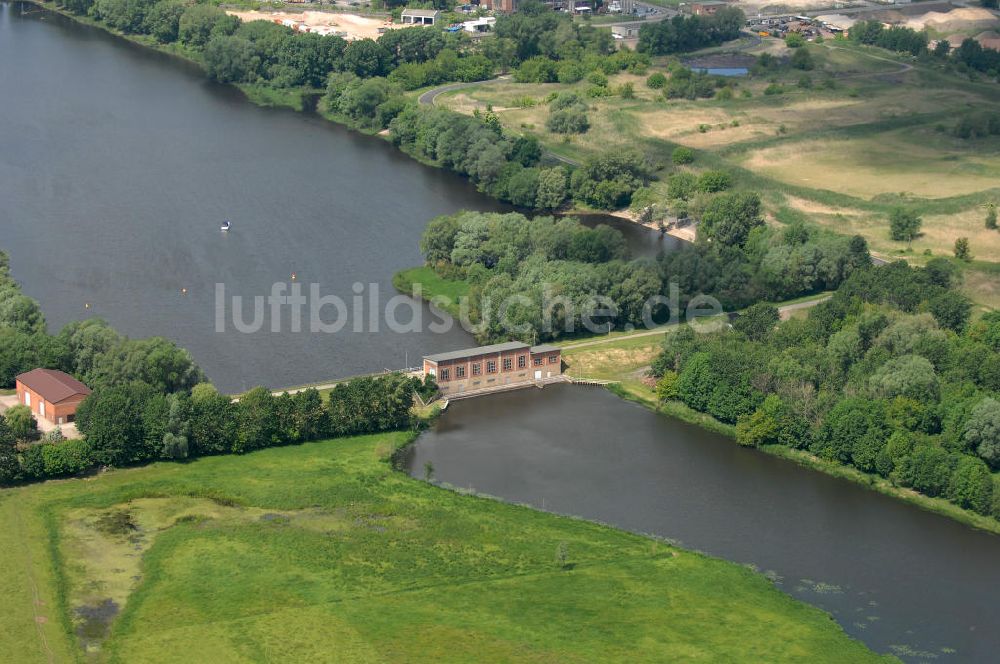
<point x="349" y="26"/>
<point x="964" y="19"/>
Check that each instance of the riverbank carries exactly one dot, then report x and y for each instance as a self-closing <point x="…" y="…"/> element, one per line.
<point x="625" y="360"/>
<point x="261" y="545"/>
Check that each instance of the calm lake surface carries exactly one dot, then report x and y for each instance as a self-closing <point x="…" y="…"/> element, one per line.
<point x="118" y="165"/>
<point x="891" y="574"/>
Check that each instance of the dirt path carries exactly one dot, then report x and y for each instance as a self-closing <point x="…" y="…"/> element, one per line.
<point x="903" y="66"/>
<point x="784" y="312"/>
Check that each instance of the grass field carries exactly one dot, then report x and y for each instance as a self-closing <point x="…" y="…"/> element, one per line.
<point x="322" y="552"/>
<point x="444" y="293"/>
<point x="870" y="132"/>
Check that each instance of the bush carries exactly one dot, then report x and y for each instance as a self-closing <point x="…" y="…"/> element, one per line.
<point x="682" y="155"/>
<point x="597" y="78"/>
<point x="567" y="121"/>
<point x="66" y="458"/>
<point x="656" y="81"/>
<point x="795" y="40"/>
<point x="713" y="181"/>
<point x="801" y="59"/>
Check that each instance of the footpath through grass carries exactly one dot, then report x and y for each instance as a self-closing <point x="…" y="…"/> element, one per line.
<point x="322" y="552"/>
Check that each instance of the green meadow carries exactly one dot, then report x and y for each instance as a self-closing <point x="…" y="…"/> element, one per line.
<point x="324" y="553"/>
<point x="838" y="146"/>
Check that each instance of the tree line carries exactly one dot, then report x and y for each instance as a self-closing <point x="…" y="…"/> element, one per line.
<point x="150" y="400"/>
<point x="689" y="33"/>
<point x="536" y="279"/>
<point x="135" y="423"/>
<point x="889" y="376"/>
<point x="970" y="54"/>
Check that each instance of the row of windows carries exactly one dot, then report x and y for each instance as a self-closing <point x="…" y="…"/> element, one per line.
<point x="491" y="366"/>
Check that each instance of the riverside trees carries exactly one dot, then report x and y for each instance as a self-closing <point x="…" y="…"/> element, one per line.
<point x="872" y="378"/>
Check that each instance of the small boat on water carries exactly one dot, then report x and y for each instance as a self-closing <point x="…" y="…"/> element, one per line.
<point x="225" y="226"/>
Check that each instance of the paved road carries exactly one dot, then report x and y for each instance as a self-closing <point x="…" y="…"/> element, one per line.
<point x="427" y="98"/>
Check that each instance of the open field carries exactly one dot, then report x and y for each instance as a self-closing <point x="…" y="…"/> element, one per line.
<point x="866" y="131"/>
<point x="322" y="552"/>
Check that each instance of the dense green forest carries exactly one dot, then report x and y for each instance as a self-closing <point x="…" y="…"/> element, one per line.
<point x="538" y="279"/>
<point x="888" y="376"/>
<point x="150" y="400"/>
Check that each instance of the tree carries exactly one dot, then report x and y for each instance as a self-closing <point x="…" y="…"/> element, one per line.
<point x="232" y="59"/>
<point x="904" y="225"/>
<point x="366" y="58"/>
<point x="22" y="423"/>
<point x="551" y="188"/>
<point x="177" y="428"/>
<point x="113" y="420"/>
<point x="9" y="466"/>
<point x="962" y="251"/>
<point x="757" y="322"/>
<point x="951" y="310"/>
<point x="991" y="216"/>
<point x="256" y="421"/>
<point x="971" y="485"/>
<point x="200" y="22"/>
<point x="774" y="423"/>
<point x="982" y="431"/>
<point x="802" y="59"/>
<point x="927" y="469"/>
<point x="163" y="21"/>
<point x="666" y="386"/>
<point x="854" y="431"/>
<point x="729" y="218"/>
<point x="656" y="81"/>
<point x="909" y="376"/>
<point x="213" y="423"/>
<point x="697" y="381"/>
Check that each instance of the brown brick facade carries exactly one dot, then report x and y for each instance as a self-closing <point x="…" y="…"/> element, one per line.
<point x="485" y="367"/>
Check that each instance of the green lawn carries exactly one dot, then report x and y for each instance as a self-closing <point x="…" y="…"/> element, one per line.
<point x="322" y="552"/>
<point x="444" y="293"/>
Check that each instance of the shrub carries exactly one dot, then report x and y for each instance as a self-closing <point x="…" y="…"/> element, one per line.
<point x="713" y="181"/>
<point x="656" y="81"/>
<point x="568" y="121"/>
<point x="66" y="458"/>
<point x="682" y="155"/>
<point x="795" y="40"/>
<point x="597" y="78"/>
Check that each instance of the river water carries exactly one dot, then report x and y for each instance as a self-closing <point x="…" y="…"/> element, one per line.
<point x="117" y="165"/>
<point x="900" y="579"/>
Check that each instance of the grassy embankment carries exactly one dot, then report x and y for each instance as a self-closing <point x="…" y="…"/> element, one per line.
<point x="840" y="156"/>
<point x="322" y="552"/>
<point x="625" y="360"/>
<point x="445" y="294"/>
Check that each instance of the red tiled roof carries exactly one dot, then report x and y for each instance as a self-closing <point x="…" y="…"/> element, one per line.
<point x="53" y="386"/>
